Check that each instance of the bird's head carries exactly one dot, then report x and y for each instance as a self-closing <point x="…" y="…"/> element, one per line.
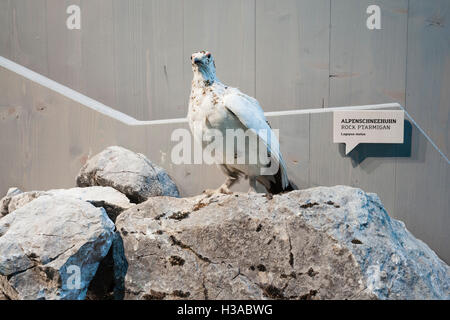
<point x="203" y="66"/>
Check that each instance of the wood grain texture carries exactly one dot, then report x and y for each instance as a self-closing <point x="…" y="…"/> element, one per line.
<point x="29" y="34"/>
<point x="366" y="66"/>
<point x="227" y="29"/>
<point x="428" y="73"/>
<point x="5" y="27"/>
<point x="97" y="49"/>
<point x="164" y="59"/>
<point x="423" y="180"/>
<point x="292" y="54"/>
<point x="64" y="46"/>
<point x="294" y="145"/>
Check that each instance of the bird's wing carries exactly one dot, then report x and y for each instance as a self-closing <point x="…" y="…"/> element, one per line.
<point x="250" y="113"/>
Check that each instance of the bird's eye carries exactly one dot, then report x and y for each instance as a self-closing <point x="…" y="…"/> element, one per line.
<point x="208" y="55"/>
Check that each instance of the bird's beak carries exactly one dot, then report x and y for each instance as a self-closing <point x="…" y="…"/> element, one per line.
<point x="197" y="61"/>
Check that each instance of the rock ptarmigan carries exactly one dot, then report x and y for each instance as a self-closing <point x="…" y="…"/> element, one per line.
<point x="215" y="107"/>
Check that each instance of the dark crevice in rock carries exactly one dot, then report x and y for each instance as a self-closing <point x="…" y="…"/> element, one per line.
<point x="176" y="261"/>
<point x="109" y="280"/>
<point x="161" y="215"/>
<point x="9" y="276"/>
<point x="180" y="244"/>
<point x="261" y="267"/>
<point x="331" y="203"/>
<point x="60" y="254"/>
<point x="199" y="205"/>
<point x="312" y="273"/>
<point x="309" y="205"/>
<point x="181" y="294"/>
<point x="179" y="215"/>
<point x="272" y="292"/>
<point x="205" y="290"/>
<point x="238" y="274"/>
<point x="154" y="295"/>
<point x="291" y="255"/>
<point x="309" y="295"/>
<point x="291" y="275"/>
<point x="112" y="210"/>
<point x="145" y="255"/>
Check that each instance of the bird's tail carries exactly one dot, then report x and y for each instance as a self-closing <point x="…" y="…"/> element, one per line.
<point x="277" y="183"/>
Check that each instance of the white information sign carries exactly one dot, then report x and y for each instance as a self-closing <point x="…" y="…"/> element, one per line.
<point x="353" y="127"/>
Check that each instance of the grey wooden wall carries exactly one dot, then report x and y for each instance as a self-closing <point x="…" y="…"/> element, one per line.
<point x="133" y="55"/>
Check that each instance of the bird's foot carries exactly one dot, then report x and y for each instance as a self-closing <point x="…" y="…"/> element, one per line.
<point x="221" y="190"/>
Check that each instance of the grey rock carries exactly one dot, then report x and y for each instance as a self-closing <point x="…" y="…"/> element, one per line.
<point x="4" y="202"/>
<point x="46" y="243"/>
<point x="130" y="173"/>
<point x="320" y="243"/>
<point x="19" y="200"/>
<point x="109" y="198"/>
<point x="13" y="191"/>
<point x="3" y="297"/>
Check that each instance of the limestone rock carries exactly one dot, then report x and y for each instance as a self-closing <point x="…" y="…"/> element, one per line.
<point x="320" y="243"/>
<point x="110" y="199"/>
<point x="51" y="247"/>
<point x="130" y="173"/>
<point x="4" y="202"/>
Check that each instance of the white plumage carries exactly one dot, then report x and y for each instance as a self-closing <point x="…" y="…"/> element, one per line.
<point x="213" y="105"/>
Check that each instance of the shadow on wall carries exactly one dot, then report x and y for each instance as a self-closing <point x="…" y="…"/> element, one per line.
<point x="380" y="150"/>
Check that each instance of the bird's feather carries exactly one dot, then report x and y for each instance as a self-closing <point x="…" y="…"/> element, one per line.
<point x="251" y="115"/>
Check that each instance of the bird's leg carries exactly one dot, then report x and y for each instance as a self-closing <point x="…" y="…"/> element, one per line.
<point x="252" y="181"/>
<point x="224" y="188"/>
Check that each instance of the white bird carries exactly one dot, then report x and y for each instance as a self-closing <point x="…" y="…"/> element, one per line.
<point x="213" y="105"/>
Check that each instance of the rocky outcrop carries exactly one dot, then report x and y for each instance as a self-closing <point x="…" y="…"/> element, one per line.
<point x="4" y="202"/>
<point x="320" y="243"/>
<point x="110" y="199"/>
<point x="51" y="247"/>
<point x="128" y="172"/>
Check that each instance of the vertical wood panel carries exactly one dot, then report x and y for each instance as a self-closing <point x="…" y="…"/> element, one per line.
<point x="29" y="34"/>
<point x="163" y="59"/>
<point x="129" y="64"/>
<point x="292" y="53"/>
<point x="423" y="181"/>
<point x="428" y="77"/>
<point x="11" y="157"/>
<point x="5" y="28"/>
<point x="64" y="45"/>
<point x="294" y="146"/>
<point x="366" y="66"/>
<point x="227" y="29"/>
<point x="97" y="47"/>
